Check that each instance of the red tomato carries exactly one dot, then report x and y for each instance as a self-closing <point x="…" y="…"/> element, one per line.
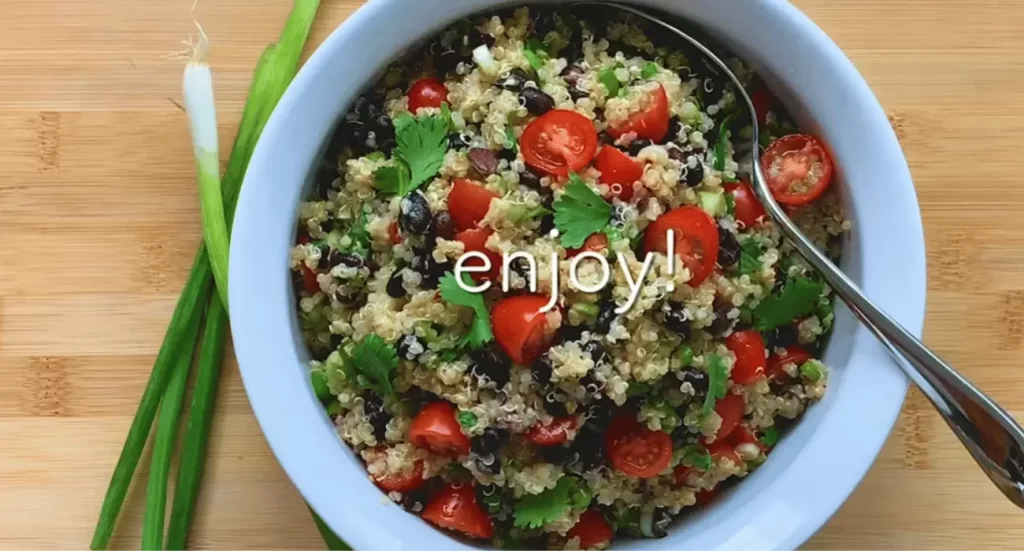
<point x="405" y="482"/>
<point x="798" y="169"/>
<point x="619" y="171"/>
<point x="596" y="243"/>
<point x="468" y="203"/>
<point x="592" y="530"/>
<point x="762" y="101"/>
<point x="696" y="240"/>
<point x="724" y="450"/>
<point x="455" y="507"/>
<point x="559" y="142"/>
<point x="637" y="450"/>
<point x="681" y="473"/>
<point x="309" y="281"/>
<point x="743" y="435"/>
<point x="427" y="92"/>
<point x="651" y="123"/>
<point x="436" y="429"/>
<point x="793" y="355"/>
<point x="476" y="240"/>
<point x="748" y="209"/>
<point x="521" y="328"/>
<point x="394" y="234"/>
<point x="748" y="346"/>
<point x="730" y="409"/>
<point x="706" y="496"/>
<point x="553" y="434"/>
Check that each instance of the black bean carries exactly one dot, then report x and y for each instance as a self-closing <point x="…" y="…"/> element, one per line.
<point x="483" y="160"/>
<point x="431" y="270"/>
<point x="636" y="146"/>
<point x="326" y="174"/>
<point x="712" y="89"/>
<point x="589" y="449"/>
<point x="541" y="370"/>
<point x="489" y="366"/>
<point x="596" y="352"/>
<point x="605" y="138"/>
<point x="568" y="332"/>
<point x="350" y="260"/>
<point x="384" y="127"/>
<point x="605" y="316"/>
<point x="781" y="277"/>
<point x="591" y="384"/>
<point x="394" y="287"/>
<point x="697" y="379"/>
<point x="536" y="101"/>
<point x="677" y="320"/>
<point x="410" y="347"/>
<point x="723" y="323"/>
<point x="448" y="61"/>
<point x="489" y="442"/>
<point x="387" y="147"/>
<point x="458" y="140"/>
<point x="547" y="223"/>
<point x="662" y="518"/>
<point x="598" y="415"/>
<point x="576" y="93"/>
<point x="554" y="402"/>
<point x="415" y="216"/>
<point x="558" y="455"/>
<point x="692" y="175"/>
<point x="781" y="337"/>
<point x="728" y="248"/>
<point x="444" y="227"/>
<point x="677" y="154"/>
<point x="572" y="73"/>
<point x="530" y="179"/>
<point x="373" y="409"/>
<point x="507" y="154"/>
<point x="514" y="80"/>
<point x="327" y="226"/>
<point x="675" y="126"/>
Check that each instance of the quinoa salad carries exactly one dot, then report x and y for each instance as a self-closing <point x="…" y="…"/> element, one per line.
<point x="557" y="133"/>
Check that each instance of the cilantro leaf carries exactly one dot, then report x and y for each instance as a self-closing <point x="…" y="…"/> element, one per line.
<point x="580" y="212"/>
<point x="798" y="298"/>
<point x="480" y="332"/>
<point x="723" y="141"/>
<point x="510" y="135"/>
<point x="697" y="457"/>
<point x="610" y="81"/>
<point x="446" y="114"/>
<point x="422" y="143"/>
<point x="536" y="510"/>
<point x="769" y="437"/>
<point x="717" y="376"/>
<point x="750" y="257"/>
<point x="373" y="363"/>
<point x="535" y="53"/>
<point x="393" y="179"/>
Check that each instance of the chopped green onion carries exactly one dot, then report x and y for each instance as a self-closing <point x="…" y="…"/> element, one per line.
<point x="467" y="419"/>
<point x="585" y="309"/>
<point x="610" y="81"/>
<point x="812" y="370"/>
<point x="770" y="436"/>
<point x="650" y="69"/>
<point x="684" y="355"/>
<point x="319" y="380"/>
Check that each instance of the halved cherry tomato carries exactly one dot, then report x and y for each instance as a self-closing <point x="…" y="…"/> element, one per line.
<point x="619" y="171"/>
<point x="748" y="209"/>
<point x="427" y="92"/>
<point x="405" y="482"/>
<point x="706" y="496"/>
<point x="743" y="435"/>
<point x="592" y="530"/>
<point x="559" y="142"/>
<point x="748" y="346"/>
<point x="793" y="355"/>
<point x="596" y="243"/>
<point x="724" y="450"/>
<point x="730" y="409"/>
<point x="455" y="507"/>
<point x="309" y="281"/>
<point x="681" y="473"/>
<point x="762" y="101"/>
<point x="435" y="428"/>
<point x="553" y="434"/>
<point x="520" y="328"/>
<point x="651" y="122"/>
<point x="798" y="169"/>
<point x="475" y="240"/>
<point x="394" y="234"/>
<point x="696" y="240"/>
<point x="637" y="450"/>
<point x="468" y="203"/>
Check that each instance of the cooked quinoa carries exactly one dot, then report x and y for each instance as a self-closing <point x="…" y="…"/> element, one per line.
<point x="595" y="422"/>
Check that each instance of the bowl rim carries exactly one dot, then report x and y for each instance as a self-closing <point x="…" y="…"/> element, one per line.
<point x="302" y="438"/>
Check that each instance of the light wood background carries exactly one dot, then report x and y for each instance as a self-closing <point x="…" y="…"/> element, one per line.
<point x="99" y="220"/>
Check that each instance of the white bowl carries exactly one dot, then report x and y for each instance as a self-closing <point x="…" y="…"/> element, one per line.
<point x="812" y="470"/>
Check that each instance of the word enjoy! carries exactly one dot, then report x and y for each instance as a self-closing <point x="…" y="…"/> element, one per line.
<point x="634" y="284"/>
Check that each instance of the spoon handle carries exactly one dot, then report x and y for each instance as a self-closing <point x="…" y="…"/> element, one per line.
<point x="988" y="432"/>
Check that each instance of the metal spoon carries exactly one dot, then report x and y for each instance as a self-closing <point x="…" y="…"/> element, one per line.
<point x="988" y="432"/>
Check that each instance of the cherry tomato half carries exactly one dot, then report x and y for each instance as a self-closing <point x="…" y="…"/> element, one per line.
<point x="637" y="450"/>
<point x="743" y="435"/>
<point x="427" y="92"/>
<point x="619" y="171"/>
<point x="475" y="240"/>
<point x="554" y="433"/>
<point x="520" y="328"/>
<point x="762" y="101"/>
<point x="468" y="203"/>
<point x="681" y="473"/>
<point x="404" y="482"/>
<point x="798" y="169"/>
<point x="730" y="409"/>
<point x="651" y="122"/>
<point x="696" y="240"/>
<point x="559" y="142"/>
<point x="435" y="428"/>
<point x="748" y="346"/>
<point x="706" y="496"/>
<point x="455" y="507"/>
<point x="592" y="530"/>
<point x="309" y="282"/>
<point x="776" y="364"/>
<point x="596" y="243"/>
<point x="748" y="209"/>
<point x="724" y="450"/>
<point x="394" y="233"/>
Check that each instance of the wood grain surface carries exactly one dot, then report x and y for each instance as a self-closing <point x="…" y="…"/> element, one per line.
<point x="99" y="220"/>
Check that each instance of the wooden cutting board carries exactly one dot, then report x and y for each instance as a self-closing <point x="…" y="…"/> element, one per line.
<point x="99" y="221"/>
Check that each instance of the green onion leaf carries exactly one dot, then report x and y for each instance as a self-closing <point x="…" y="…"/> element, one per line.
<point x="650" y="69"/>
<point x="467" y="419"/>
<point x="722" y="144"/>
<point x="812" y="370"/>
<point x="610" y="81"/>
<point x="717" y="377"/>
<point x="769" y="437"/>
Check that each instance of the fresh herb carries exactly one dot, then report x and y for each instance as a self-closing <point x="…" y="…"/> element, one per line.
<point x="580" y="212"/>
<point x="372" y="365"/>
<point x="520" y="213"/>
<point x="798" y="298"/>
<point x="422" y="144"/>
<point x="650" y="69"/>
<point x="730" y="204"/>
<point x="610" y="81"/>
<point x="684" y="355"/>
<point x="769" y="437"/>
<point x="394" y="179"/>
<point x="333" y="408"/>
<point x="480" y="332"/>
<point x="614" y="234"/>
<point x="634" y="241"/>
<point x="812" y="370"/>
<point x="510" y="137"/>
<point x="535" y="54"/>
<point x="585" y="309"/>
<point x="319" y="380"/>
<point x="467" y="419"/>
<point x="717" y="376"/>
<point x="697" y="457"/>
<point x="750" y="257"/>
<point x="722" y="143"/>
<point x="637" y="388"/>
<point x="537" y="510"/>
<point x="446" y="114"/>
